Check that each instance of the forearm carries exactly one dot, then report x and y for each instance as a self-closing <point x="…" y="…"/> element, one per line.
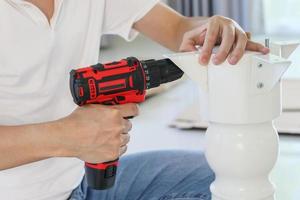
<point x="166" y="26"/>
<point x="21" y="145"/>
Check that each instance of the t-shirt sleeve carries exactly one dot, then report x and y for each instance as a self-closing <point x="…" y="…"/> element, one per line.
<point x="120" y="15"/>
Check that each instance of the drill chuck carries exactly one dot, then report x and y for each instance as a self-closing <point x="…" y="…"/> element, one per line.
<point x="160" y="71"/>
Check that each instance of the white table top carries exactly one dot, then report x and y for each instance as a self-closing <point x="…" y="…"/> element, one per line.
<point x="151" y="131"/>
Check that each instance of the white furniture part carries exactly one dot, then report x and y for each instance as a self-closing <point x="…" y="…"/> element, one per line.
<point x="241" y="141"/>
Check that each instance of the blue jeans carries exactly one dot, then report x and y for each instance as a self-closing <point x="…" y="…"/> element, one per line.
<point x="158" y="175"/>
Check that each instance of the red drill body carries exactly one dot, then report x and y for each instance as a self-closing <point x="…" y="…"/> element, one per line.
<point x="121" y="82"/>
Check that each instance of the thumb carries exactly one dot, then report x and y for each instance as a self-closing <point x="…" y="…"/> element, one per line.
<point x="127" y="110"/>
<point x="193" y="38"/>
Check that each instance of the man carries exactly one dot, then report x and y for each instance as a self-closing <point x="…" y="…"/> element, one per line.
<point x="44" y="136"/>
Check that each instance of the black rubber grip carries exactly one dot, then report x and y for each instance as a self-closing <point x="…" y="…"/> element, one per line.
<point x="101" y="179"/>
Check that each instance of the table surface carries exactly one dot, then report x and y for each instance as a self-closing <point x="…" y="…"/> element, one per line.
<point x="151" y="130"/>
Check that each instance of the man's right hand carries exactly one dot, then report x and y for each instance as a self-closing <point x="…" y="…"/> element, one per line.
<point x="96" y="133"/>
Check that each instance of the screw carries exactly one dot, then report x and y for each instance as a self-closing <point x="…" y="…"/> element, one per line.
<point x="267" y="42"/>
<point x="260" y="65"/>
<point x="260" y="85"/>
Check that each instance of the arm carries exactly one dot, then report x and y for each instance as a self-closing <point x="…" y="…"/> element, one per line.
<point x="166" y="26"/>
<point x="179" y="33"/>
<point x="84" y="134"/>
<point x="24" y="144"/>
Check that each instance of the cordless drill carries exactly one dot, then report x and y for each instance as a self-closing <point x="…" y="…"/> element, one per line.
<point x="125" y="81"/>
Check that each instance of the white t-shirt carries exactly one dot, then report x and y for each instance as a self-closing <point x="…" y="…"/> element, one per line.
<point x="35" y="61"/>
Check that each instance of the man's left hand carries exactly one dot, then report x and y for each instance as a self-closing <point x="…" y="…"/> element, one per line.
<point x="221" y="31"/>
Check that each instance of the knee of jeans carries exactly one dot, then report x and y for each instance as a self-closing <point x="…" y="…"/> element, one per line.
<point x="182" y="158"/>
<point x="168" y="161"/>
<point x="168" y="156"/>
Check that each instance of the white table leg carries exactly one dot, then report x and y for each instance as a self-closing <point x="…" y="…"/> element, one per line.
<point x="242" y="156"/>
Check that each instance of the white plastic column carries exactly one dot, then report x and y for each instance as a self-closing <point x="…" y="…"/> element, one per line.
<point x="241" y="141"/>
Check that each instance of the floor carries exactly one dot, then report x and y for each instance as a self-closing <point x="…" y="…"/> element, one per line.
<point x="151" y="131"/>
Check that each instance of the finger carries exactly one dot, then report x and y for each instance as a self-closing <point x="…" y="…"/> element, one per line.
<point x="254" y="46"/>
<point x="127" y="126"/>
<point x="209" y="43"/>
<point x="123" y="150"/>
<point x="248" y="35"/>
<point x="125" y="138"/>
<point x="202" y="38"/>
<point x="228" y="37"/>
<point x="187" y="45"/>
<point x="239" y="49"/>
<point x="128" y="110"/>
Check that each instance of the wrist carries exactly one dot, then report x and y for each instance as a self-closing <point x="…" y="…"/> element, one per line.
<point x="49" y="139"/>
<point x="64" y="138"/>
<point x="190" y="23"/>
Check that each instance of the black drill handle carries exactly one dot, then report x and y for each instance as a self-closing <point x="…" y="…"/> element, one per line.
<point x="101" y="176"/>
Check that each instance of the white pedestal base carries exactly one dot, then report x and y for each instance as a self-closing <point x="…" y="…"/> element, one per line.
<point x="242" y="156"/>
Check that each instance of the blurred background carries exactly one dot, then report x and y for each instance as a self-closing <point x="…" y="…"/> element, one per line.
<point x="270" y="17"/>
